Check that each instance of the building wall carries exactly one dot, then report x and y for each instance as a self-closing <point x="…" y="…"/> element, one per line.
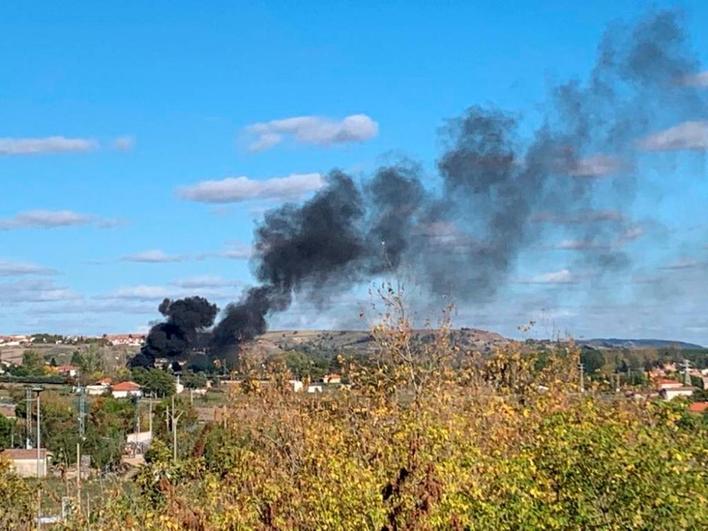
<point x="27" y="468"/>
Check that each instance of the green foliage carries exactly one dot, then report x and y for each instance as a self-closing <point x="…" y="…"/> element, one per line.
<point x="592" y="359"/>
<point x="193" y="380"/>
<point x="7" y="428"/>
<point x="109" y="421"/>
<point x="46" y="338"/>
<point x="90" y="362"/>
<point x="154" y="381"/>
<point x="17" y="499"/>
<point x="33" y="363"/>
<point x="188" y="430"/>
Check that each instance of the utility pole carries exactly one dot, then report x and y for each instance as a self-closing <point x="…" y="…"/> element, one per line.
<point x="39" y="437"/>
<point x="686" y="376"/>
<point x="150" y="416"/>
<point x="175" y="418"/>
<point x="38" y="389"/>
<point x="581" y="370"/>
<point x="28" y="417"/>
<point x="82" y="415"/>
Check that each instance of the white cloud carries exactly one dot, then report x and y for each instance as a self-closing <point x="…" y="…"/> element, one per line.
<point x="45" y="219"/>
<point x="315" y="130"/>
<point x="237" y="251"/>
<point x="205" y="281"/>
<point x="211" y="287"/>
<point x="580" y="217"/>
<point x="51" y="144"/>
<point x="632" y="233"/>
<point x="596" y="166"/>
<point x="563" y="276"/>
<point x="153" y="256"/>
<point x="9" y="269"/>
<point x="691" y="135"/>
<point x="142" y="293"/>
<point x="124" y="143"/>
<point x="696" y="80"/>
<point x="579" y="245"/>
<point x="29" y="291"/>
<point x="235" y="189"/>
<point x="684" y="263"/>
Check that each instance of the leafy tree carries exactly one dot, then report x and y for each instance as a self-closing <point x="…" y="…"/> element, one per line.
<point x="109" y="421"/>
<point x="592" y="360"/>
<point x="90" y="362"/>
<point x="33" y="362"/>
<point x="17" y="499"/>
<point x="193" y="380"/>
<point x="154" y="381"/>
<point x="7" y="428"/>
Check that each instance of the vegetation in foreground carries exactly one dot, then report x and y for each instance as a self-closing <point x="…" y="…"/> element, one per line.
<point x="428" y="437"/>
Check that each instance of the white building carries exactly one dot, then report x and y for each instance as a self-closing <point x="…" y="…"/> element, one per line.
<point x="24" y="461"/>
<point x="674" y="392"/>
<point x="97" y="389"/>
<point x="126" y="390"/>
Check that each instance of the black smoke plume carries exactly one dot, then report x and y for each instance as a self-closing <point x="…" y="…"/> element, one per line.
<point x="500" y="190"/>
<point x="181" y="334"/>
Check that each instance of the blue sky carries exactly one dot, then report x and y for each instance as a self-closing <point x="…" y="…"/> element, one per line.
<point x="110" y="112"/>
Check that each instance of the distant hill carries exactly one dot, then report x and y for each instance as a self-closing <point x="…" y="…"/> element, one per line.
<point x="333" y="342"/>
<point x="638" y="343"/>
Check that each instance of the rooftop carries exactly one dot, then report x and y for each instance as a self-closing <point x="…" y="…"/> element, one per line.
<point x="698" y="407"/>
<point x="22" y="453"/>
<point x="126" y="386"/>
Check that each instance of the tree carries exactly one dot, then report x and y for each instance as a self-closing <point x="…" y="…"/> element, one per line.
<point x="33" y="362"/>
<point x="193" y="380"/>
<point x="89" y="361"/>
<point x="7" y="428"/>
<point x="154" y="381"/>
<point x="592" y="360"/>
<point x="108" y="423"/>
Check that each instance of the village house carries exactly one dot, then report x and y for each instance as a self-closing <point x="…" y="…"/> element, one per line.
<point x="24" y="461"/>
<point x="332" y="378"/>
<point x="126" y="390"/>
<point x="130" y="340"/>
<point x="669" y="393"/>
<point x="664" y="383"/>
<point x="314" y="388"/>
<point x="99" y="388"/>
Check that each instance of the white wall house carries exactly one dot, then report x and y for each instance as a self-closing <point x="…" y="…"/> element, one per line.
<point x="126" y="390"/>
<point x="675" y="392"/>
<point x="24" y="461"/>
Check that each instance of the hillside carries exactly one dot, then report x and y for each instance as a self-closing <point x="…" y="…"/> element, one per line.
<point x="613" y="343"/>
<point x="333" y="342"/>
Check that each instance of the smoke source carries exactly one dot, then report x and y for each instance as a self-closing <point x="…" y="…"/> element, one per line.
<point x="500" y="190"/>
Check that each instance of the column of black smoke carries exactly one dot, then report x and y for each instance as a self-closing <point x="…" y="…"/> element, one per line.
<point x="182" y="332"/>
<point x="500" y="191"/>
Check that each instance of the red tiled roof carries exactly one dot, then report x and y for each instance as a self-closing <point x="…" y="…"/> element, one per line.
<point x="126" y="386"/>
<point x="698" y="407"/>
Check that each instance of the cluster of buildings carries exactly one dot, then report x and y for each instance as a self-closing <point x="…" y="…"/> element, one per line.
<point x="128" y="340"/>
<point x="105" y="386"/>
<point x="671" y="381"/>
<point x="14" y="341"/>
